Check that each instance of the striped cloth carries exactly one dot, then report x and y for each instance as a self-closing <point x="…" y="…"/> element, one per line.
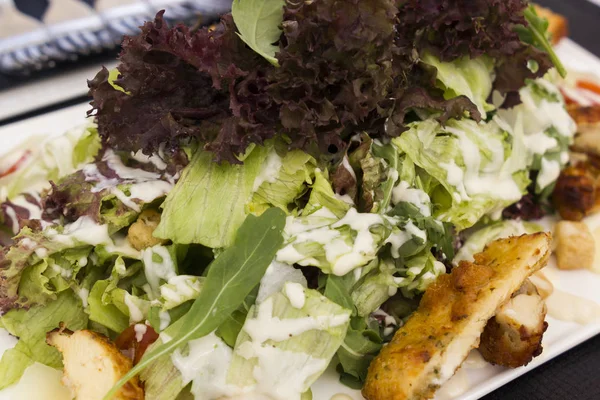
<point x="37" y="34"/>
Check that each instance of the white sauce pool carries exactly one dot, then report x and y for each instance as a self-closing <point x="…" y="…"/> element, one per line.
<point x="569" y="307"/>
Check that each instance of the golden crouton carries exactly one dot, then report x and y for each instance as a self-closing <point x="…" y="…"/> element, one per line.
<point x="140" y="233"/>
<point x="575" y="245"/>
<point x="92" y="365"/>
<point x="557" y="24"/>
<point x="513" y="337"/>
<point x="452" y="314"/>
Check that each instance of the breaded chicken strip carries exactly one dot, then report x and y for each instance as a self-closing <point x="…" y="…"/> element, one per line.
<point x="514" y="336"/>
<point x="453" y="312"/>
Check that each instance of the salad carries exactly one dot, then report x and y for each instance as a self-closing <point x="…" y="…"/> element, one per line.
<point x="253" y="202"/>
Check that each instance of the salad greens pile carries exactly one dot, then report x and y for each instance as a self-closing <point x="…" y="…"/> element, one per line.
<point x="275" y="195"/>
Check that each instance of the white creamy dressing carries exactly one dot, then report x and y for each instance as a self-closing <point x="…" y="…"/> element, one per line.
<point x="474" y="360"/>
<point x="548" y="173"/>
<point x="455" y="386"/>
<point x="122" y="246"/>
<point x="83" y="294"/>
<point x="135" y="313"/>
<point x="180" y="288"/>
<point x="456" y="177"/>
<point x="345" y="198"/>
<point x="569" y="307"/>
<point x="295" y="294"/>
<point x="140" y="331"/>
<point x="403" y="192"/>
<point x="488" y="180"/>
<point x="82" y="231"/>
<point x="341" y="255"/>
<point x="155" y="270"/>
<point x="539" y="143"/>
<point x="267" y="327"/>
<point x="164" y="320"/>
<point x="364" y="244"/>
<point x="206" y="364"/>
<point x="12" y="215"/>
<point x="141" y="185"/>
<point x="275" y="277"/>
<point x="269" y="171"/>
<point x="154" y="159"/>
<point x="341" y="396"/>
<point x="34" y="210"/>
<point x="348" y="167"/>
<point x="282" y="374"/>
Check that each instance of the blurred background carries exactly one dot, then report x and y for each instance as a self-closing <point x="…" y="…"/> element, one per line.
<point x="48" y="48"/>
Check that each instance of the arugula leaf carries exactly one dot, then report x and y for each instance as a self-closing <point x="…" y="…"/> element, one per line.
<point x="258" y="23"/>
<point x="535" y="34"/>
<point x="337" y="289"/>
<point x="231" y="277"/>
<point x="361" y="344"/>
<point x="391" y="155"/>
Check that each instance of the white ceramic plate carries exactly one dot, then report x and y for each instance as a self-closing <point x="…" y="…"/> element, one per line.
<point x="472" y="382"/>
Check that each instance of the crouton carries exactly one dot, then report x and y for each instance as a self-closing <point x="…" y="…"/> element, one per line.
<point x="575" y="245"/>
<point x="140" y="233"/>
<point x="92" y="365"/>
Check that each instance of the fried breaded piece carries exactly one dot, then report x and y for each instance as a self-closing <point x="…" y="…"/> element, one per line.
<point x="574" y="194"/>
<point x="558" y="25"/>
<point x="92" y="365"/>
<point x="514" y="336"/>
<point x="587" y="119"/>
<point x="453" y="312"/>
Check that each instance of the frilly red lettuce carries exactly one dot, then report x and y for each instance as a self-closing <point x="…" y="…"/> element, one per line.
<point x="345" y="66"/>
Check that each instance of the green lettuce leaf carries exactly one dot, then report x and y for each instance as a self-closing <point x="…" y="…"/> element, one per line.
<point x="259" y="25"/>
<point x="361" y="344"/>
<point x="52" y="160"/>
<point x="207" y="205"/>
<point x="465" y="76"/>
<point x="31" y="326"/>
<point x="335" y="245"/>
<point x="289" y="358"/>
<point x="323" y="197"/>
<point x="542" y="130"/>
<point x="477" y="240"/>
<point x="469" y="168"/>
<point x="291" y="174"/>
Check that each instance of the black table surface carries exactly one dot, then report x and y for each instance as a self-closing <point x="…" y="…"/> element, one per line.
<point x="574" y="375"/>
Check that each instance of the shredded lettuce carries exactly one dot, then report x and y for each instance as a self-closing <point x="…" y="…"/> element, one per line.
<point x="468" y="166"/>
<point x="287" y="342"/>
<point x="207" y="205"/>
<point x="54" y="159"/>
<point x="31" y="327"/>
<point x="465" y="76"/>
<point x="543" y="130"/>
